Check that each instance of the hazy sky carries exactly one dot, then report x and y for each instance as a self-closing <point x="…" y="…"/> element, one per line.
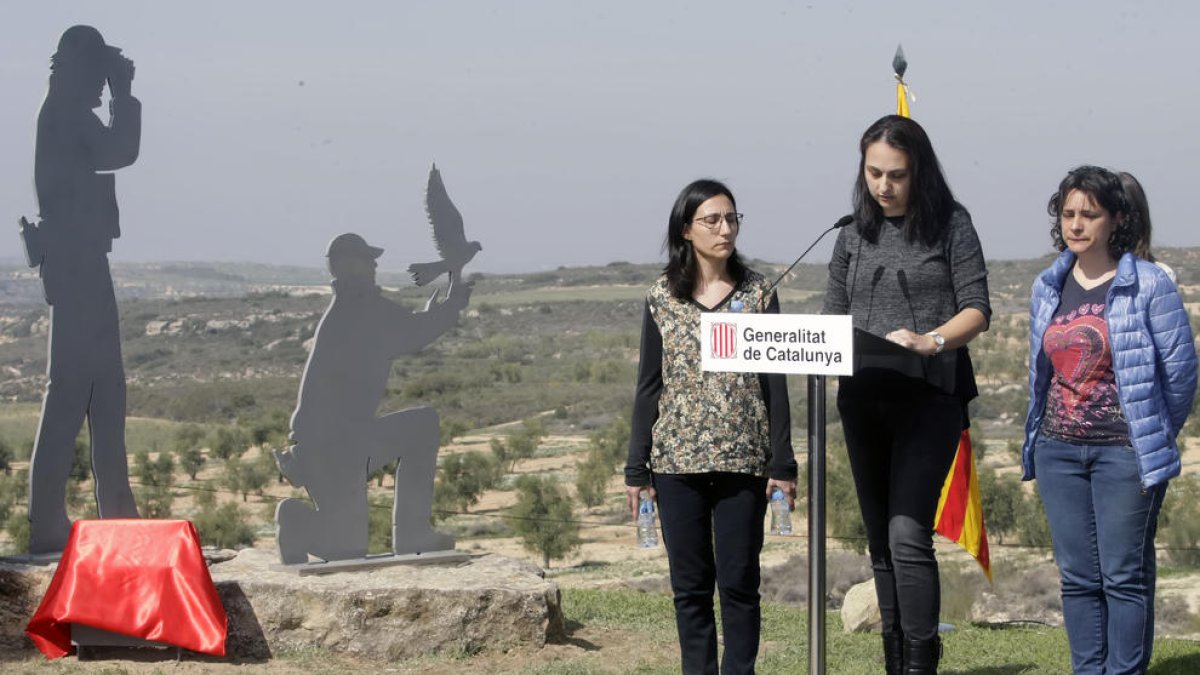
<point x="564" y="130"/>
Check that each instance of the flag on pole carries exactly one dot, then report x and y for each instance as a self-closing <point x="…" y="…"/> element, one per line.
<point x="899" y="66"/>
<point x="960" y="508"/>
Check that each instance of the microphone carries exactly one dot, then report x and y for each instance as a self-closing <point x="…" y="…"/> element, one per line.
<point x="842" y="222"/>
<point x="871" y="301"/>
<point x="903" y="279"/>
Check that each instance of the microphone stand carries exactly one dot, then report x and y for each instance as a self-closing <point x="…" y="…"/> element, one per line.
<point x="816" y="490"/>
<point x="842" y="222"/>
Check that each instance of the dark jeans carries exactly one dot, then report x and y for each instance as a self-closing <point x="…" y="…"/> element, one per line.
<point x="901" y="436"/>
<point x="1103" y="526"/>
<point x="702" y="515"/>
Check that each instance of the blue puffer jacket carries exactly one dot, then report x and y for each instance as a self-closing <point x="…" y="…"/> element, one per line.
<point x="1153" y="356"/>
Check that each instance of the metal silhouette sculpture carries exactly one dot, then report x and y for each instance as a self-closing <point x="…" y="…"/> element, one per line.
<point x="337" y="437"/>
<point x="448" y="235"/>
<point x="74" y="157"/>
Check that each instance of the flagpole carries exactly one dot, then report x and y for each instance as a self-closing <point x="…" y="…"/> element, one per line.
<point x="816" y="524"/>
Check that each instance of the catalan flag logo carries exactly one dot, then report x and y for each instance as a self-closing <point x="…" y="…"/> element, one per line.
<point x="724" y="340"/>
<point x="960" y="508"/>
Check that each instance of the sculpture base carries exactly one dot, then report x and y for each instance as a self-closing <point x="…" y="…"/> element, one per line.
<point x="40" y="559"/>
<point x="383" y="614"/>
<point x="85" y="637"/>
<point x="373" y="562"/>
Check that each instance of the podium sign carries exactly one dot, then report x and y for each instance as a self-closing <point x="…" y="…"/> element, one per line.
<point x="794" y="344"/>
<point x="816" y="345"/>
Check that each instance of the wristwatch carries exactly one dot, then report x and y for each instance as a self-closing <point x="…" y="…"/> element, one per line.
<point x="937" y="340"/>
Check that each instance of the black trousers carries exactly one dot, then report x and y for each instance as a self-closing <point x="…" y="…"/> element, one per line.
<point x="901" y="435"/>
<point x="712" y="526"/>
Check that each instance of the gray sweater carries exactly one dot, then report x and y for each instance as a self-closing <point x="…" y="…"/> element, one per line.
<point x="894" y="284"/>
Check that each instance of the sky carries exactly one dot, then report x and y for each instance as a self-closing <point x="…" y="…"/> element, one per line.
<point x="564" y="130"/>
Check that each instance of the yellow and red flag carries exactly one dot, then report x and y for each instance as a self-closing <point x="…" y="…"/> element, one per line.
<point x="899" y="66"/>
<point x="960" y="507"/>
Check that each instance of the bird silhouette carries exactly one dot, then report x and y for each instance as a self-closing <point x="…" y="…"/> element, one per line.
<point x="447" y="225"/>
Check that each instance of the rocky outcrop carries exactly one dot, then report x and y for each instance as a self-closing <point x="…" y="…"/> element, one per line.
<point x="21" y="591"/>
<point x="384" y="614"/>
<point x="387" y="613"/>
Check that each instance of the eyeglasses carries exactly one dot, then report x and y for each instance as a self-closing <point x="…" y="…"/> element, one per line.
<point x="713" y="220"/>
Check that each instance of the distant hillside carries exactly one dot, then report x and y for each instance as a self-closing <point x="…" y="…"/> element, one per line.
<point x="19" y="285"/>
<point x="216" y="342"/>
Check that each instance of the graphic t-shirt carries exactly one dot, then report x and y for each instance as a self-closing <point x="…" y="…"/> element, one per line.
<point x="1082" y="405"/>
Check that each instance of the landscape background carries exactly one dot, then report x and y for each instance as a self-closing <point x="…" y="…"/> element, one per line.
<point x="534" y="388"/>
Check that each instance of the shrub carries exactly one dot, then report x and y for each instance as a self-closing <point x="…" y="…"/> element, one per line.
<point x="6" y="457"/>
<point x="190" y="461"/>
<point x="154" y="496"/>
<point x="1179" y="521"/>
<point x="229" y="442"/>
<point x="224" y="526"/>
<point x="591" y="478"/>
<point x="606" y="449"/>
<point x="17" y="526"/>
<point x="1002" y="497"/>
<point x="269" y="427"/>
<point x="1034" y="529"/>
<point x="246" y="477"/>
<point x="520" y="444"/>
<point x="462" y="480"/>
<point x="542" y="518"/>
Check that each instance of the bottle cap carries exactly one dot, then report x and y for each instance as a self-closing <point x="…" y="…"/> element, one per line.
<point x="736" y="305"/>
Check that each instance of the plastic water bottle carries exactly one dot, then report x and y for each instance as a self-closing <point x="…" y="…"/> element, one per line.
<point x="647" y="527"/>
<point x="781" y="515"/>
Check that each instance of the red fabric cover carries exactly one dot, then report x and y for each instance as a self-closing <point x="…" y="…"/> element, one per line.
<point x="144" y="578"/>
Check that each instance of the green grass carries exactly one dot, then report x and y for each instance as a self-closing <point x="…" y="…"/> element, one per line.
<point x="969" y="649"/>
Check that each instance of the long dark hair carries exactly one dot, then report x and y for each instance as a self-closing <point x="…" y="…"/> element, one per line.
<point x="930" y="202"/>
<point x="681" y="265"/>
<point x="1105" y="187"/>
<point x="1138" y="204"/>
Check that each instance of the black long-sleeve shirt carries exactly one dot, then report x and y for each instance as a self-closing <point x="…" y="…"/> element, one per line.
<point x="689" y="421"/>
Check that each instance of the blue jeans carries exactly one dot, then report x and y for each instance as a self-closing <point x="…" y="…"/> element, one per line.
<point x="1103" y="526"/>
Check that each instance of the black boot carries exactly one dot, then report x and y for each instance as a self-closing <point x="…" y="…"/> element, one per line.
<point x="893" y="652"/>
<point x="921" y="656"/>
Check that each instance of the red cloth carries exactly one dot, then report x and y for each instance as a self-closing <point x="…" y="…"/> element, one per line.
<point x="144" y="578"/>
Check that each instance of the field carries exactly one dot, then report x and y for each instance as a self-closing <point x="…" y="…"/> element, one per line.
<point x="213" y="367"/>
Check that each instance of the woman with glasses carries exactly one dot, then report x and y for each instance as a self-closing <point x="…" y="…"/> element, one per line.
<point x="710" y="447"/>
<point x="909" y="269"/>
<point x="1112" y="375"/>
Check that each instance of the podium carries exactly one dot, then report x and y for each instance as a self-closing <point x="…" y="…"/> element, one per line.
<point x="874" y="354"/>
<point x="130" y="582"/>
<point x="819" y="346"/>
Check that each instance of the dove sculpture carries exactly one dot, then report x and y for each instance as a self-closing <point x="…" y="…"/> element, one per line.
<point x="447" y="225"/>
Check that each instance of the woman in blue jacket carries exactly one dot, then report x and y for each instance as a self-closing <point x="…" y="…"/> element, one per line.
<point x="1112" y="376"/>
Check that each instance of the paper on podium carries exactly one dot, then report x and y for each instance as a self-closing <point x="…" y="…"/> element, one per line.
<point x="872" y="352"/>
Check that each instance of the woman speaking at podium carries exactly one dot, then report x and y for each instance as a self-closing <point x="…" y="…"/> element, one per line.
<point x="709" y="446"/>
<point x="910" y="270"/>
